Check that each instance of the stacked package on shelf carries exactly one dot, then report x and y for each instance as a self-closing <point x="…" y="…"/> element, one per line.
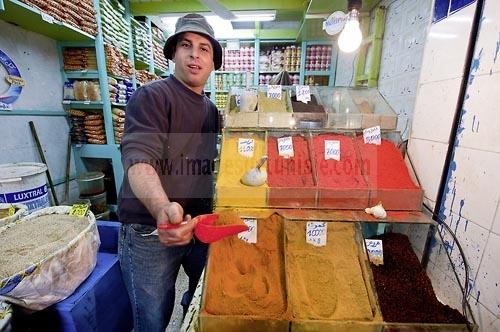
<point x="87" y="127"/>
<point x="159" y="59"/>
<point x="144" y="76"/>
<point x="82" y="91"/>
<point x="115" y="29"/>
<point x="120" y="90"/>
<point x="118" y="123"/>
<point x="157" y="33"/>
<point x="77" y="13"/>
<point x="141" y="41"/>
<point x="239" y="60"/>
<point x="79" y="58"/>
<point x="117" y="64"/>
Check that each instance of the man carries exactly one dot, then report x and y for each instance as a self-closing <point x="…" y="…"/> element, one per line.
<point x="167" y="152"/>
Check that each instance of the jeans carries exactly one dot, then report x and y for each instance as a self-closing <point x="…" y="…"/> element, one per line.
<point x="149" y="270"/>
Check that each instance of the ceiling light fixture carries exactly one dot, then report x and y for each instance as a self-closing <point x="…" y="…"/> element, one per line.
<point x="254" y="16"/>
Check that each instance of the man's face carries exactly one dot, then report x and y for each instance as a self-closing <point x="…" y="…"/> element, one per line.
<point x="194" y="60"/>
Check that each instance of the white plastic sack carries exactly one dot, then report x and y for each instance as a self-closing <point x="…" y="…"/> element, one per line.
<point x="56" y="276"/>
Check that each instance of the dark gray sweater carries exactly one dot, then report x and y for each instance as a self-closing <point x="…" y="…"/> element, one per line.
<point x="173" y="129"/>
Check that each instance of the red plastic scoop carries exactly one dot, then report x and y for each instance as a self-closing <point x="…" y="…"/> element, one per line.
<point x="207" y="232"/>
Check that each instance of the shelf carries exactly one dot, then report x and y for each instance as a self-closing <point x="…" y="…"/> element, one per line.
<point x="233" y="72"/>
<point x="316" y="73"/>
<point x="118" y="77"/>
<point x="82" y="104"/>
<point x="118" y="104"/>
<point x="104" y="151"/>
<point x="221" y="91"/>
<point x="275" y="72"/>
<point x="82" y="74"/>
<point x="33" y="19"/>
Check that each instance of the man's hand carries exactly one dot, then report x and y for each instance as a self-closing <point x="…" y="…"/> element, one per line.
<point x="172" y="214"/>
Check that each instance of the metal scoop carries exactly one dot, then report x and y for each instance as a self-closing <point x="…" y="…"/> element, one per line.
<point x="207" y="232"/>
<point x="255" y="177"/>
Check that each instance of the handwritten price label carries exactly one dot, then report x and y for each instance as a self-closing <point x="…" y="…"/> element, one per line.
<point x="274" y="91"/>
<point x="246" y="147"/>
<point x="375" y="251"/>
<point x="79" y="210"/>
<point x="237" y="98"/>
<point x="285" y="147"/>
<point x="316" y="233"/>
<point x="303" y="93"/>
<point x="332" y="150"/>
<point x="249" y="236"/>
<point x="372" y="135"/>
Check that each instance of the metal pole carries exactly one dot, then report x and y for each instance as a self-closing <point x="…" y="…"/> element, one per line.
<point x="42" y="156"/>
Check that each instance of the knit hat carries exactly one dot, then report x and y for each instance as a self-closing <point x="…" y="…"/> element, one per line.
<point x="198" y="24"/>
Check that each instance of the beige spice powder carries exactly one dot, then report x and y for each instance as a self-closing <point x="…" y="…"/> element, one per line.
<point x="30" y="241"/>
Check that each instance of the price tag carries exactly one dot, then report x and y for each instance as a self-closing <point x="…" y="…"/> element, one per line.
<point x="66" y="102"/>
<point x="332" y="150"/>
<point x="372" y="135"/>
<point x="249" y="236"/>
<point x="303" y="93"/>
<point x="47" y="18"/>
<point x="375" y="251"/>
<point x="316" y="233"/>
<point x="274" y="91"/>
<point x="12" y="211"/>
<point x="285" y="147"/>
<point x="79" y="210"/>
<point x="237" y="98"/>
<point x="246" y="147"/>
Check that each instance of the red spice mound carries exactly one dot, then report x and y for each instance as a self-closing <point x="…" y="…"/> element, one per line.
<point x="292" y="172"/>
<point x="384" y="166"/>
<point x="404" y="290"/>
<point x="347" y="172"/>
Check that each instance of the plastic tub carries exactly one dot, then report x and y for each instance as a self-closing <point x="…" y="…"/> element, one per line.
<point x="24" y="183"/>
<point x="90" y="183"/>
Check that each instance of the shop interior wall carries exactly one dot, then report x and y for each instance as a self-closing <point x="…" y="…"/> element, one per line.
<point x="471" y="197"/>
<point x="403" y="46"/>
<point x="37" y="59"/>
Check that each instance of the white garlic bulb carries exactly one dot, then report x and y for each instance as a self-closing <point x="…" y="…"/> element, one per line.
<point x="377" y="211"/>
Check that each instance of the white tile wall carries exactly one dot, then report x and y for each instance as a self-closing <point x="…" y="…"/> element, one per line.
<point x="445" y="286"/>
<point x="446" y="47"/>
<point x="404" y="37"/>
<point x="481" y="120"/>
<point x="434" y="110"/>
<point x="428" y="159"/>
<point x="472" y="239"/>
<point x="489" y="39"/>
<point x="487" y="280"/>
<point x="475" y="180"/>
<point x="496" y="222"/>
<point x="486" y="321"/>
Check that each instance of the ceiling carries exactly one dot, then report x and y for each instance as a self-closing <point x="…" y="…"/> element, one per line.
<point x="295" y="19"/>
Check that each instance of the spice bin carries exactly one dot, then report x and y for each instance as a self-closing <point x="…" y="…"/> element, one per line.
<point x="291" y="180"/>
<point x="235" y="160"/>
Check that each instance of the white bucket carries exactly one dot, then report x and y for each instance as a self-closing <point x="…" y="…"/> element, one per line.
<point x="24" y="183"/>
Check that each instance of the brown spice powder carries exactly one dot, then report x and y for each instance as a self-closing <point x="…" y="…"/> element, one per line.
<point x="248" y="279"/>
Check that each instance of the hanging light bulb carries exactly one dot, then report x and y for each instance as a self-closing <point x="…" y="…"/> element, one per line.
<point x="350" y="38"/>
